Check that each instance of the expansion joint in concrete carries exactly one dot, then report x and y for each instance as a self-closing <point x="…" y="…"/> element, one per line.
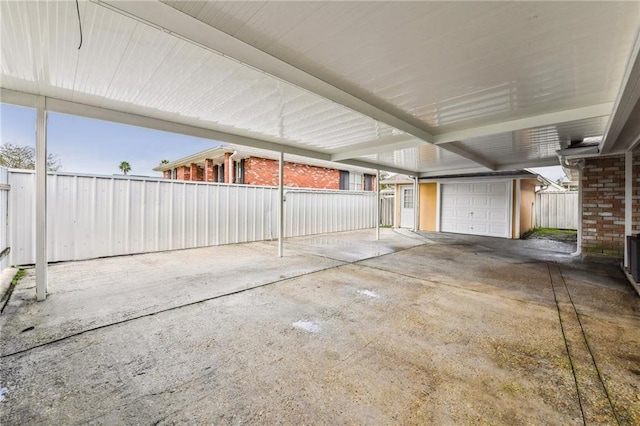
<point x="593" y="396"/>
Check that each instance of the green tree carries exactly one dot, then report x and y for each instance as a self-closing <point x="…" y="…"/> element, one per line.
<point x="383" y="175"/>
<point x="24" y="157"/>
<point x="164" y="162"/>
<point x="125" y="167"/>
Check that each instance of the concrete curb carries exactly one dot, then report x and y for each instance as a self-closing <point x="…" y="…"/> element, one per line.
<point x="5" y="281"/>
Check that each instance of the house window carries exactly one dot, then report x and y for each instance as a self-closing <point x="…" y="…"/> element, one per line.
<point x="407" y="202"/>
<point x="219" y="173"/>
<point x="355" y="181"/>
<point x="351" y="181"/>
<point x="368" y="182"/>
<point x="344" y="180"/>
<point x="174" y="174"/>
<point x="239" y="166"/>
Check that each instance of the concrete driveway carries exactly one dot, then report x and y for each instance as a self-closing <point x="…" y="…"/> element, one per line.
<point x="412" y="329"/>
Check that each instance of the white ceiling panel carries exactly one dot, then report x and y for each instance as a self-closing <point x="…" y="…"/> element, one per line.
<point x="426" y="158"/>
<point x="533" y="144"/>
<point x="449" y="65"/>
<point x="124" y="63"/>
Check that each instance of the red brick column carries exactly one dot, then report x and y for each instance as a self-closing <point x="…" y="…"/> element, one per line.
<point x="603" y="206"/>
<point x="193" y="172"/>
<point x="208" y="170"/>
<point x="183" y="173"/>
<point x="227" y="169"/>
<point x="166" y="174"/>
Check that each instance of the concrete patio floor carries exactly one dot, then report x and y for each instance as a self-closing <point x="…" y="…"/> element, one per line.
<point x="412" y="329"/>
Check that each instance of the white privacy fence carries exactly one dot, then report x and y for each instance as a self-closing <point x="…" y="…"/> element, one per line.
<point x="310" y="212"/>
<point x="387" y="209"/>
<point x="557" y="210"/>
<point x="95" y="216"/>
<point x="4" y="212"/>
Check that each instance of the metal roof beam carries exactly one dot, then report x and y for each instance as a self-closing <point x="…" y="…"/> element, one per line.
<point x="453" y="172"/>
<point x="374" y="148"/>
<point x="190" y="29"/>
<point x="451" y="140"/>
<point x="457" y="148"/>
<point x="543" y="162"/>
<point x="540" y="162"/>
<point x="82" y="110"/>
<point x="576" y="114"/>
<point x="627" y="99"/>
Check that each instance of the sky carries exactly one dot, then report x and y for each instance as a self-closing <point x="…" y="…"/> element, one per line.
<point x="84" y="145"/>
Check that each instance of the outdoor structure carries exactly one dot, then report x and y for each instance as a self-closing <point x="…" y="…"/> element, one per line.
<point x="527" y="95"/>
<point x="498" y="204"/>
<point x="364" y="327"/>
<point x="241" y="165"/>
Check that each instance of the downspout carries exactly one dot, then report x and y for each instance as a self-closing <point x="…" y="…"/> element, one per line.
<point x="231" y="171"/>
<point x="416" y="204"/>
<point x="378" y="205"/>
<point x="577" y="165"/>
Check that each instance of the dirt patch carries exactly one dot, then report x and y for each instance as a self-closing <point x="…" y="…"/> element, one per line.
<point x="552" y="234"/>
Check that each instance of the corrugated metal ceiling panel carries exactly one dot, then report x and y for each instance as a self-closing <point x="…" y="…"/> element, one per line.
<point x="125" y="64"/>
<point x="485" y="61"/>
<point x="533" y="144"/>
<point x="416" y="60"/>
<point x="425" y="158"/>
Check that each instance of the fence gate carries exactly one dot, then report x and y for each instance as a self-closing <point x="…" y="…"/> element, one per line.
<point x="557" y="210"/>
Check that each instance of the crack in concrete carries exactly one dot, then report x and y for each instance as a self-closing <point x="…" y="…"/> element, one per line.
<point x="173" y="308"/>
<point x="591" y="389"/>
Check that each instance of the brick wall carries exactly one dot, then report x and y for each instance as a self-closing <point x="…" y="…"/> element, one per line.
<point x="166" y="174"/>
<point x="262" y="171"/>
<point x="196" y="173"/>
<point x="603" y="205"/>
<point x="208" y="170"/>
<point x="183" y="173"/>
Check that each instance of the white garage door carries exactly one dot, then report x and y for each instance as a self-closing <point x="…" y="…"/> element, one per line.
<point x="481" y="208"/>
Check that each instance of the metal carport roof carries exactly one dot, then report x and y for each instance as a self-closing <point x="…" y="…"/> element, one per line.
<point x="417" y="87"/>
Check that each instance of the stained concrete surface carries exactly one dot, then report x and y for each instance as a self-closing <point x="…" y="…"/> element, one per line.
<point x="414" y="329"/>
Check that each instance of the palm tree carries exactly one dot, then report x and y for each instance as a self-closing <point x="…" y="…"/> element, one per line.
<point x="125" y="167"/>
<point x="164" y="162"/>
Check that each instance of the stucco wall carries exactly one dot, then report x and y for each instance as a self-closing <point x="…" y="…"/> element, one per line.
<point x="428" y="206"/>
<point x="527" y="200"/>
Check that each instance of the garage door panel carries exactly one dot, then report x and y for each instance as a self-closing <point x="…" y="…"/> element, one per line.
<point x="481" y="208"/>
<point x="463" y="188"/>
<point x="456" y="213"/>
<point x="497" y="230"/>
<point x="498" y="203"/>
<point x="498" y="216"/>
<point x="480" y="188"/>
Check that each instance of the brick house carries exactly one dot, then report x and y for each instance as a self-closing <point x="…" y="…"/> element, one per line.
<point x="242" y="165"/>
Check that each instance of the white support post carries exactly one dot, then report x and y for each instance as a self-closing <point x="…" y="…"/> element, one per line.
<point x="281" y="205"/>
<point x="628" y="200"/>
<point x="416" y="205"/>
<point x="41" y="200"/>
<point x="518" y="185"/>
<point x="378" y="205"/>
<point x="438" y="194"/>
